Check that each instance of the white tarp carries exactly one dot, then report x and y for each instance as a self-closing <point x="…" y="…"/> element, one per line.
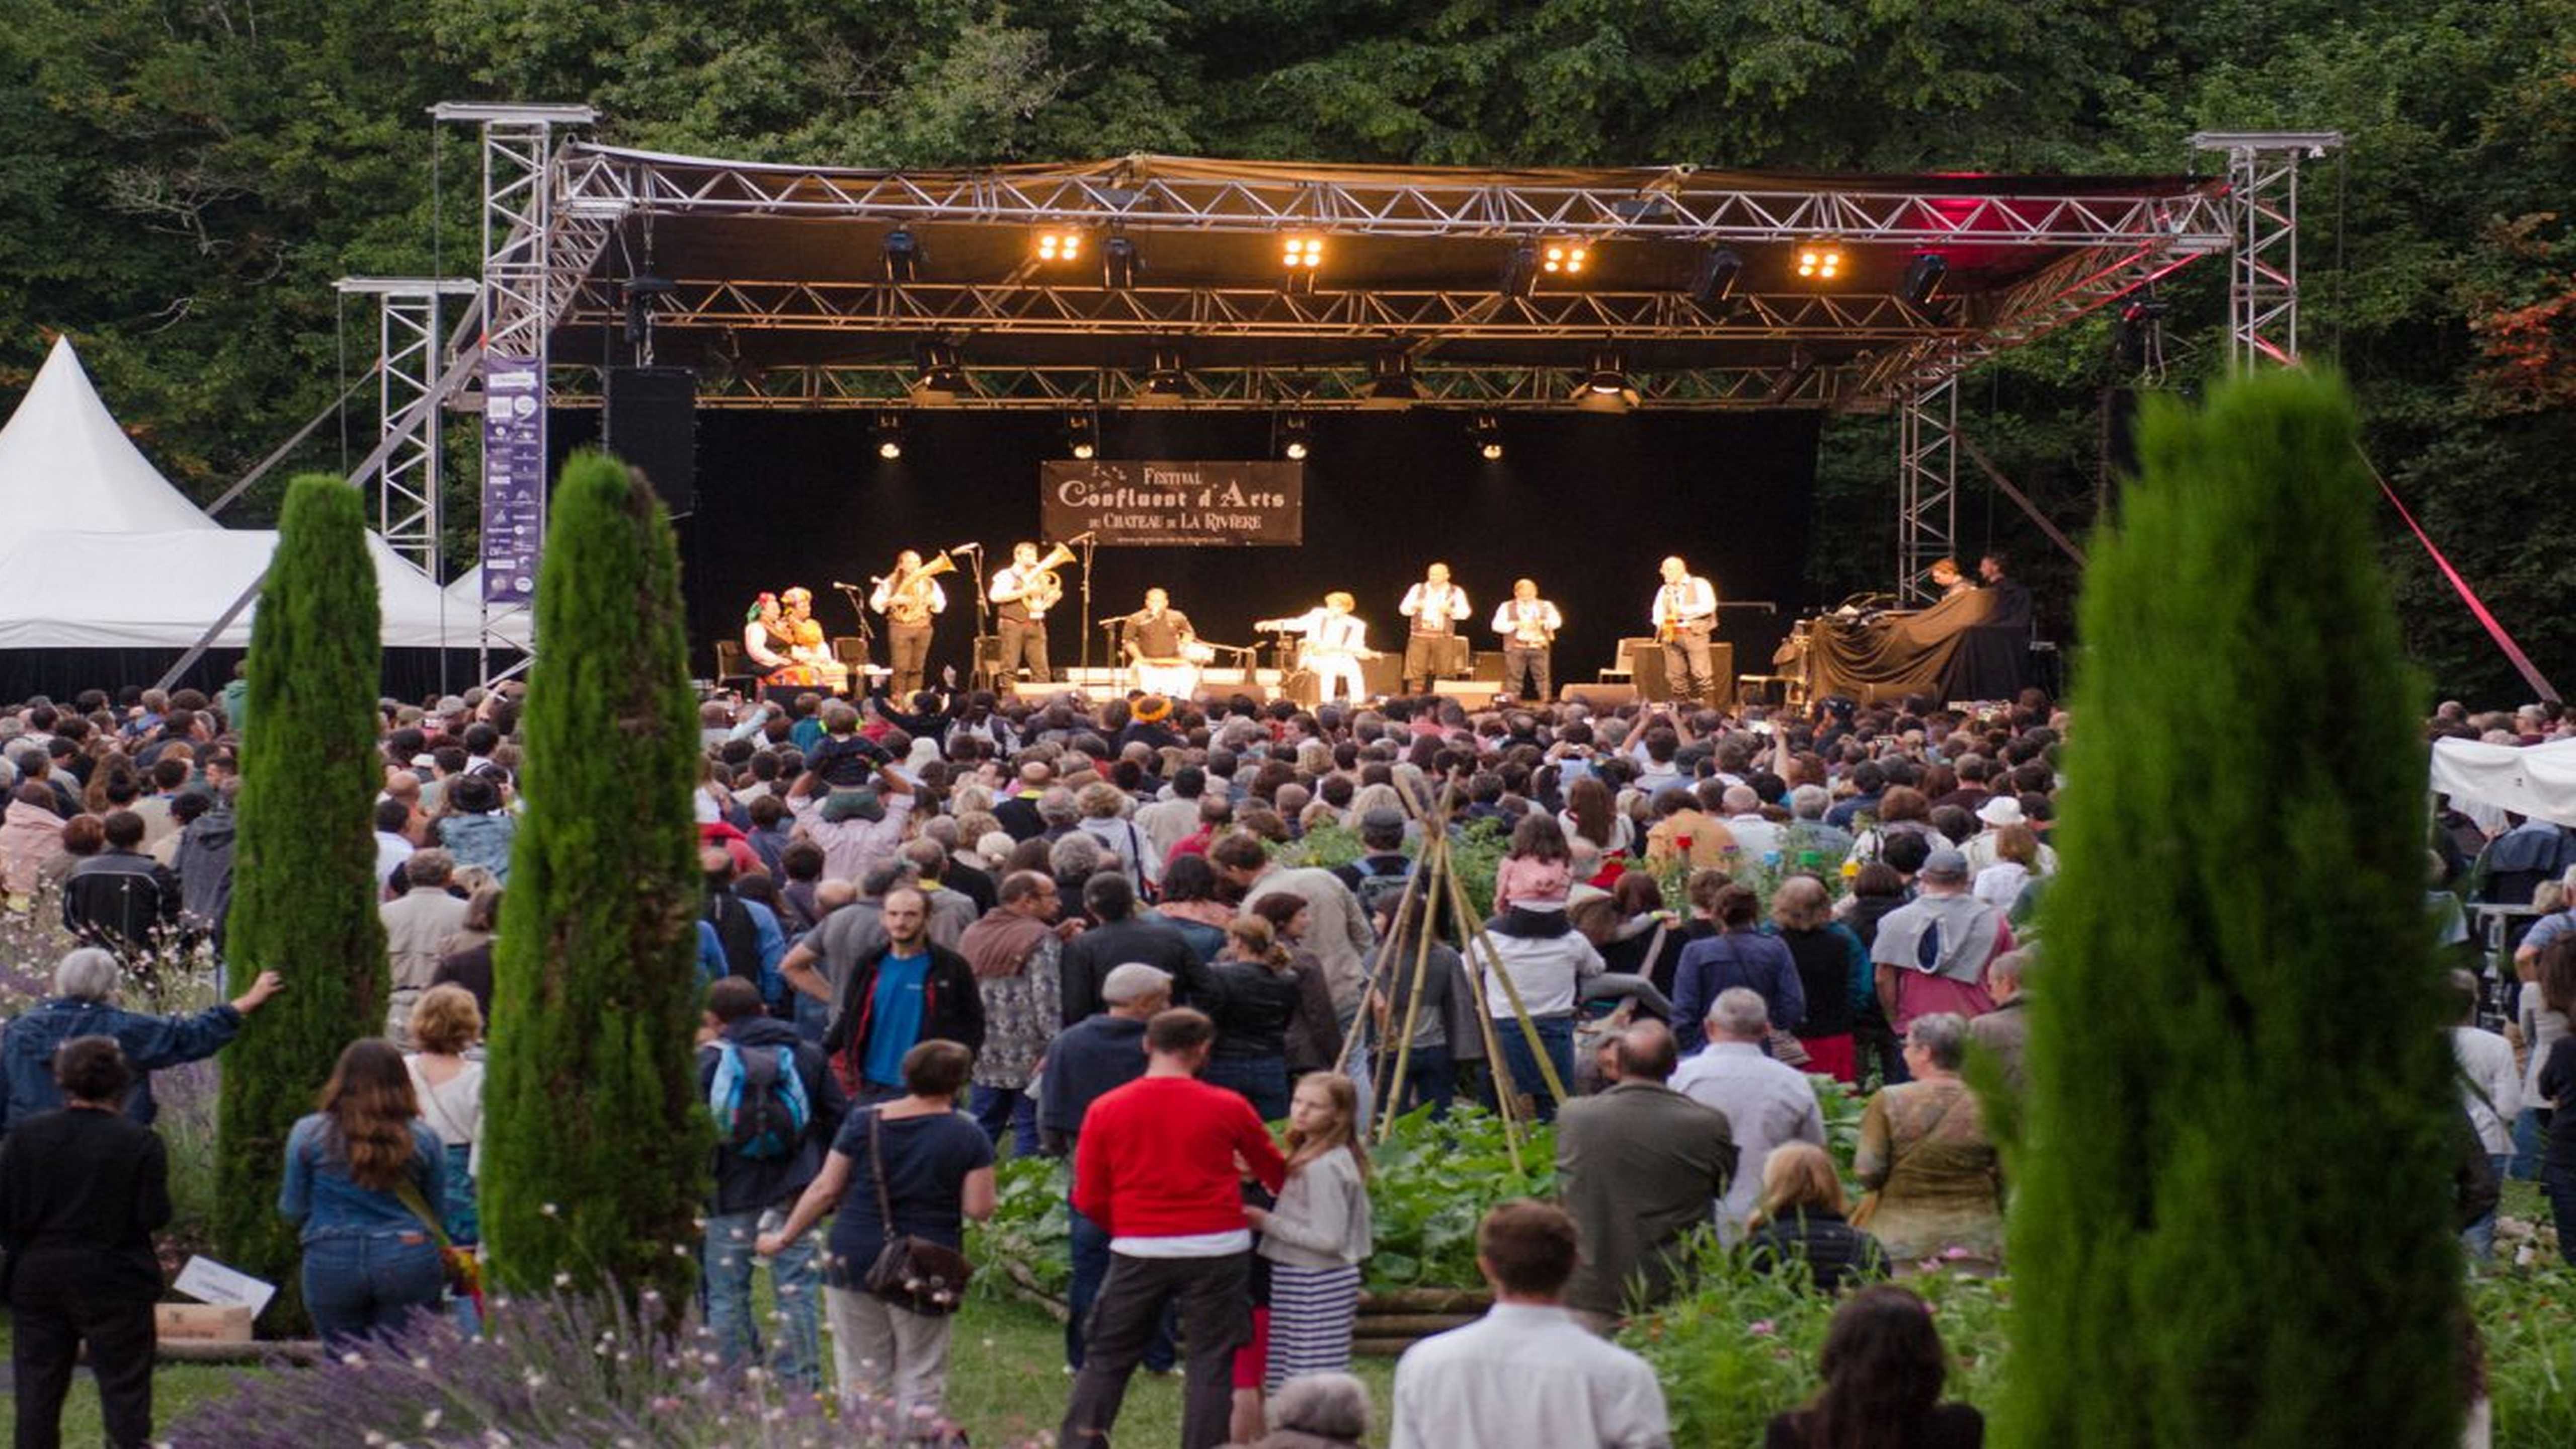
<point x="64" y="463"/>
<point x="2534" y="780"/>
<point x="89" y="590"/>
<point x="513" y="627"/>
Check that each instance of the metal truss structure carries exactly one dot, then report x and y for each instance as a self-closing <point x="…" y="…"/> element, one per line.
<point x="1927" y="481"/>
<point x="2263" y="279"/>
<point x="408" y="334"/>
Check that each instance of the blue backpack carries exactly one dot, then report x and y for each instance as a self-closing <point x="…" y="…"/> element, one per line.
<point x="759" y="1101"/>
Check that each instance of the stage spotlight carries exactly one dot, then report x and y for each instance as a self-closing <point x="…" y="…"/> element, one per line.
<point x="889" y="436"/>
<point x="1301" y="253"/>
<point x="1166" y="382"/>
<point x="1520" y="270"/>
<point x="1390" y="383"/>
<point x="1080" y="438"/>
<point x="1293" y="437"/>
<point x="1923" y="277"/>
<point x="1608" y="375"/>
<point x="1565" y="259"/>
<point x="1820" y="262"/>
<point x="1489" y="438"/>
<point x="1119" y="263"/>
<point x="1715" y="279"/>
<point x="943" y="372"/>
<point x="1059" y="246"/>
<point x="902" y="255"/>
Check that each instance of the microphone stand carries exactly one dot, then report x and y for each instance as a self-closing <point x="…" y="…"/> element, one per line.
<point x="1089" y="545"/>
<point x="978" y="675"/>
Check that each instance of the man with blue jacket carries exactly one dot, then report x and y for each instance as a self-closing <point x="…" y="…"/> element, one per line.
<point x="83" y="981"/>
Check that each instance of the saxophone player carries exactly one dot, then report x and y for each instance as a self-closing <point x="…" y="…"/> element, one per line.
<point x="910" y="597"/>
<point x="1528" y="625"/>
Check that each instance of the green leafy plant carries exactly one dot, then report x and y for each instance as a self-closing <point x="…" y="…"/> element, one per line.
<point x="1430" y="1183"/>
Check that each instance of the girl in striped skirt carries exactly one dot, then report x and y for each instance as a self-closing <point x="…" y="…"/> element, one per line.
<point x="1318" y="1235"/>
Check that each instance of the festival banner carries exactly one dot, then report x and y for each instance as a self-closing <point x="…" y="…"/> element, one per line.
<point x="514" y="477"/>
<point x="1134" y="504"/>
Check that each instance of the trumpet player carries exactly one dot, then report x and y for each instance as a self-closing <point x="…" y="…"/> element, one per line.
<point x="1025" y="591"/>
<point x="1528" y="625"/>
<point x="910" y="597"/>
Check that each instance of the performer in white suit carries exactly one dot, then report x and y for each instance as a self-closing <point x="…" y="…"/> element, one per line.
<point x="1336" y="642"/>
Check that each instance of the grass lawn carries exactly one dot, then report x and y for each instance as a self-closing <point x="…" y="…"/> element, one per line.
<point x="1006" y="1384"/>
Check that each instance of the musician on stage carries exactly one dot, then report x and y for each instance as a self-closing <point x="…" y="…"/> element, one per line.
<point x="1157" y="633"/>
<point x="1685" y="610"/>
<point x="1336" y="642"/>
<point x="1025" y="593"/>
<point x="908" y="597"/>
<point x="799" y="604"/>
<point x="1434" y="606"/>
<point x="1528" y="625"/>
<point x="813" y="660"/>
<point x="1947" y="578"/>
<point x="765" y="636"/>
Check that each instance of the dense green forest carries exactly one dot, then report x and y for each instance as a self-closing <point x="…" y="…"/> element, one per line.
<point x="186" y="177"/>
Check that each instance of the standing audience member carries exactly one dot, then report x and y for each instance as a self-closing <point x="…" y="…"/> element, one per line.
<point x="418" y="925"/>
<point x="84" y="982"/>
<point x="1738" y="955"/>
<point x="1768" y="1104"/>
<point x="82" y="1190"/>
<point x="2490" y="1091"/>
<point x="1314" y="1042"/>
<point x="449" y="1087"/>
<point x="1254" y="1005"/>
<point x="1120" y="937"/>
<point x="1935" y="1178"/>
<point x="1931" y="953"/>
<point x="1527" y="1372"/>
<point x="475" y="829"/>
<point x="900" y="995"/>
<point x="758" y="1077"/>
<point x="1548" y="963"/>
<point x="1339" y="934"/>
<point x="1539" y="867"/>
<point x="1804" y="1219"/>
<point x="1638" y="1166"/>
<point x="364" y="1177"/>
<point x="119" y="898"/>
<point x="1318" y="1234"/>
<point x="1833" y="974"/>
<point x="2004" y="1033"/>
<point x="928" y="1165"/>
<point x="468" y="962"/>
<point x="2558" y="1164"/>
<point x="1157" y="1169"/>
<point x="1092" y="1058"/>
<point x="1016" y="954"/>
<point x="1883" y="1367"/>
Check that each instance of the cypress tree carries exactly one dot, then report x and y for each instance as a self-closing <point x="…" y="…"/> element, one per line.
<point x="595" y="1145"/>
<point x="2231" y="1222"/>
<point x="304" y="864"/>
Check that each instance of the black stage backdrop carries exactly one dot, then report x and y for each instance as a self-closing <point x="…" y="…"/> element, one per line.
<point x="1586" y="505"/>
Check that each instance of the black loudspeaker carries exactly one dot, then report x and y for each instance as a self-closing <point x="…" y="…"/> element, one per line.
<point x="1385" y="673"/>
<point x="652" y="423"/>
<point x="1488" y="666"/>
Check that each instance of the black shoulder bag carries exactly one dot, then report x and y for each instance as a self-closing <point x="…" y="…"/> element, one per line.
<point x="910" y="1272"/>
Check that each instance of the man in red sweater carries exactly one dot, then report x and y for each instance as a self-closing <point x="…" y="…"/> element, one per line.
<point x="1157" y="1168"/>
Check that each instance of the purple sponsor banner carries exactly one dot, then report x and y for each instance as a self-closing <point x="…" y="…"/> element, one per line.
<point x="514" y="477"/>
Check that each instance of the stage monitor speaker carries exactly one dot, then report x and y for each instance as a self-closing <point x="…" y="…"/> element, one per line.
<point x="1646" y="672"/>
<point x="1599" y="696"/>
<point x="1488" y="666"/>
<point x="650" y="419"/>
<point x="1478" y="692"/>
<point x="1653" y="684"/>
<point x="1384" y="674"/>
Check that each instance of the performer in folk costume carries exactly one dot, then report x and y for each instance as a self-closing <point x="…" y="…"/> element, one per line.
<point x="1156" y="641"/>
<point x="910" y="597"/>
<point x="1336" y="642"/>
<point x="765" y="636"/>
<point x="1435" y="606"/>
<point x="1529" y="625"/>
<point x="1684" y="610"/>
<point x="813" y="656"/>
<point x="1025" y="592"/>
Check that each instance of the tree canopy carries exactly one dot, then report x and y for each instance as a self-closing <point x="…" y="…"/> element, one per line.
<point x="188" y="181"/>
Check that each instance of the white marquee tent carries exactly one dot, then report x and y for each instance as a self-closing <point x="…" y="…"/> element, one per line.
<point x="99" y="551"/>
<point x="2533" y="780"/>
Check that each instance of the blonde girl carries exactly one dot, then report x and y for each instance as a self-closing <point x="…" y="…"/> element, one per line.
<point x="1318" y="1235"/>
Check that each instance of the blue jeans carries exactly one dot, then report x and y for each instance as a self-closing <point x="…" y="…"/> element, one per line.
<point x="2526" y="1146"/>
<point x="1430" y="1075"/>
<point x="1556" y="1034"/>
<point x="1090" y="1270"/>
<point x="997" y="1108"/>
<point x="726" y="1260"/>
<point x="358" y="1285"/>
<point x="2479" y="1237"/>
<point x="1262" y="1081"/>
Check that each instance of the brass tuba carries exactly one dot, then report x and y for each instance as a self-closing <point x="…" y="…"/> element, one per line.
<point x="1040" y="589"/>
<point x="905" y="601"/>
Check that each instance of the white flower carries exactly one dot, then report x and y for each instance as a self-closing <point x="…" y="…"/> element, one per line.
<point x="563" y="1280"/>
<point x="354" y="1359"/>
<point x="534" y="1378"/>
<point x="550" y="1210"/>
<point x="430" y="1420"/>
<point x="373" y="1437"/>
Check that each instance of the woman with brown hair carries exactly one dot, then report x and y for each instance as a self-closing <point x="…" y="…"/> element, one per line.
<point x="1256" y="1004"/>
<point x="1883" y="1366"/>
<point x="1802" y="1217"/>
<point x="1833" y="970"/>
<point x="1591" y="814"/>
<point x="364" y="1177"/>
<point x="1314" y="1038"/>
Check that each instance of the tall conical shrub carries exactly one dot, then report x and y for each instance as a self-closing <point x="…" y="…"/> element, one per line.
<point x="2231" y="1221"/>
<point x="304" y="864"/>
<point x="595" y="1147"/>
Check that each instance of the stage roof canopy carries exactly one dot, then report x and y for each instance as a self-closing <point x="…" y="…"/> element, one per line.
<point x="806" y="287"/>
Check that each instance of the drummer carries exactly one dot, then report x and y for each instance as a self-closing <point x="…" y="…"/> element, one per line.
<point x="1158" y="638"/>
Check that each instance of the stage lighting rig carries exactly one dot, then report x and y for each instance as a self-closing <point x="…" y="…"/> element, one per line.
<point x="1390" y="383"/>
<point x="1820" y="261"/>
<point x="1167" y="382"/>
<point x="1605" y="386"/>
<point x="1301" y="253"/>
<point x="902" y="256"/>
<point x="943" y="372"/>
<point x="1119" y="263"/>
<point x="1923" y="278"/>
<point x="1565" y="259"/>
<point x="1293" y="437"/>
<point x="889" y="436"/>
<point x="1058" y="247"/>
<point x="1714" y="280"/>
<point x="1488" y="434"/>
<point x="1081" y="438"/>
